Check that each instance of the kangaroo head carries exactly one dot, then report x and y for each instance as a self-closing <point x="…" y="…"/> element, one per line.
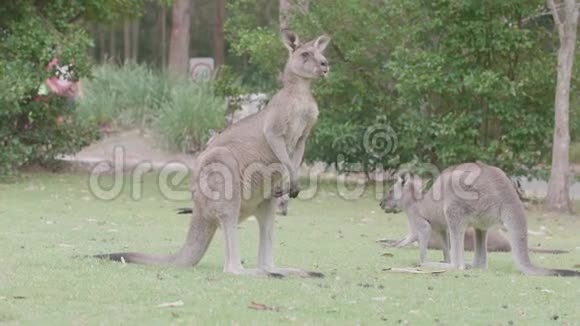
<point x="306" y="60"/>
<point x="404" y="192"/>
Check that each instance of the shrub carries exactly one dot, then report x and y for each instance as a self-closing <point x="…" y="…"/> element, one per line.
<point x="129" y="96"/>
<point x="32" y="33"/>
<point x="186" y="120"/>
<point x="133" y="96"/>
<point x="29" y="132"/>
<point x="42" y="130"/>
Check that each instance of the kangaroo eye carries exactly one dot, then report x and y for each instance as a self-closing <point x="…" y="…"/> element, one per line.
<point x="305" y="54"/>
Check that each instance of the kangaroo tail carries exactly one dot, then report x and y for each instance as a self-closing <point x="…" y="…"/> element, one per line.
<point x="549" y="251"/>
<point x="515" y="221"/>
<point x="564" y="272"/>
<point x="199" y="236"/>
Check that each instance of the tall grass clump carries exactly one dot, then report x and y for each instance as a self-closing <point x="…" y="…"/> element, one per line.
<point x="128" y="96"/>
<point x="181" y="113"/>
<point x="186" y="121"/>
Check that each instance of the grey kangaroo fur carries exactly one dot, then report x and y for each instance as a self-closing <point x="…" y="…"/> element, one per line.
<point x="496" y="241"/>
<point x="469" y="194"/>
<point x="246" y="167"/>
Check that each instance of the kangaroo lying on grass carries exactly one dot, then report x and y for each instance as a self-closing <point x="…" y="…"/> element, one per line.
<point x="496" y="242"/>
<point x="470" y="194"/>
<point x="240" y="173"/>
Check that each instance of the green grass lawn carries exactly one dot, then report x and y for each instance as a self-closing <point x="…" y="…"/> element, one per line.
<point x="46" y="220"/>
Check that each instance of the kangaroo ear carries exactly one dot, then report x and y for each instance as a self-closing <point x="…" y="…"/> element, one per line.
<point x="290" y="40"/>
<point x="404" y="179"/>
<point x="322" y="42"/>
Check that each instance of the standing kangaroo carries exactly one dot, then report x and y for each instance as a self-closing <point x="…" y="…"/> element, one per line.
<point x="470" y="194"/>
<point x="233" y="176"/>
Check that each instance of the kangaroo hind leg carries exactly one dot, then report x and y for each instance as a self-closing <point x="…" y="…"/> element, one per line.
<point x="456" y="224"/>
<point x="218" y="194"/>
<point x="480" y="252"/>
<point x="265" y="214"/>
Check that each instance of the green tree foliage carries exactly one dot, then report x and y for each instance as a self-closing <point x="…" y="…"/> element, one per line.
<point x="437" y="81"/>
<point x="31" y="34"/>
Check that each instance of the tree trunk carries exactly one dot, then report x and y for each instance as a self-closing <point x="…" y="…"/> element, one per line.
<point x="101" y="36"/>
<point x="179" y="42"/>
<point x="558" y="197"/>
<point x="93" y="33"/>
<point x="112" y="42"/>
<point x="163" y="42"/>
<point x="286" y="9"/>
<point x="135" y="40"/>
<point x="218" y="36"/>
<point x="284" y="14"/>
<point x="126" y="41"/>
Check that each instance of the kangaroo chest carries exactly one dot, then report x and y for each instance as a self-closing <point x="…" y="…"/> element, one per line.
<point x="300" y="121"/>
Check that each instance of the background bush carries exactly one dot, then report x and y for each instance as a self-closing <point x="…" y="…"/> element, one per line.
<point x="127" y="96"/>
<point x="32" y="33"/>
<point x="187" y="120"/>
<point x="183" y="113"/>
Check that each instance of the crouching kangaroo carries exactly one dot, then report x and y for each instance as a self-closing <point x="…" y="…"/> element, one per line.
<point x="470" y="194"/>
<point x="247" y="166"/>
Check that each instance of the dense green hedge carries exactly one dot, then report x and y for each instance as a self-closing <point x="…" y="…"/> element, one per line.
<point x="32" y="128"/>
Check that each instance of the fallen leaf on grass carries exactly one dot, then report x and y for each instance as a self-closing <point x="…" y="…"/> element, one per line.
<point x="412" y="270"/>
<point x="577" y="266"/>
<point x="171" y="304"/>
<point x="387" y="254"/>
<point x="19" y="297"/>
<point x="261" y="306"/>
